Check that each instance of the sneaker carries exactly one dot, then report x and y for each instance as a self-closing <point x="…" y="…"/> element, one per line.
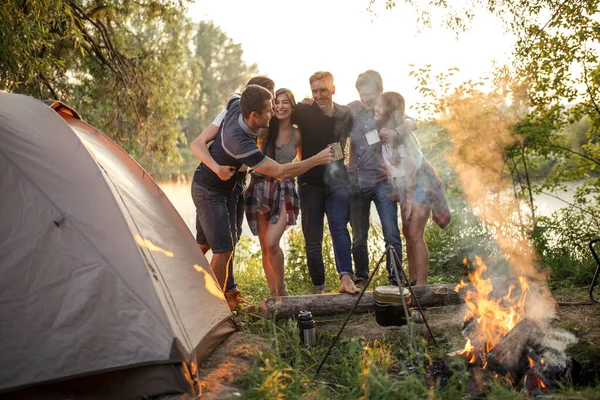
<point x="234" y="298"/>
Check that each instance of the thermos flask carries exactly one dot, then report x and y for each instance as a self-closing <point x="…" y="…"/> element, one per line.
<point x="306" y="326"/>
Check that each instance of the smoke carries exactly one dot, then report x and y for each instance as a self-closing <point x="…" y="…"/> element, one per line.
<point x="334" y="173"/>
<point x="480" y="128"/>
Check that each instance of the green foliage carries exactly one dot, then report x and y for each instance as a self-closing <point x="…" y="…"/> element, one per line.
<point x="122" y="65"/>
<point x="220" y="71"/>
<point x="140" y="71"/>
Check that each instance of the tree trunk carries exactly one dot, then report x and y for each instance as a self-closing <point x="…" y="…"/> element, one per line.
<point x="336" y="303"/>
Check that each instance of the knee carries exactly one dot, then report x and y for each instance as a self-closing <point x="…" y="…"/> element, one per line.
<point x="414" y="234"/>
<point x="272" y="246"/>
<point x="205" y="247"/>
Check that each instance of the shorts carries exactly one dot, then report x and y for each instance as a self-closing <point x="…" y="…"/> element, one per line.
<point x="236" y="195"/>
<point x="216" y="218"/>
<point x="422" y="191"/>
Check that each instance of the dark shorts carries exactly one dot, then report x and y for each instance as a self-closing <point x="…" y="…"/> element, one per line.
<point x="213" y="217"/>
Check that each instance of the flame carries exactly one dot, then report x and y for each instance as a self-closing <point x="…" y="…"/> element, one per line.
<point x="151" y="246"/>
<point x="469" y="352"/>
<point x="494" y="317"/>
<point x="531" y="362"/>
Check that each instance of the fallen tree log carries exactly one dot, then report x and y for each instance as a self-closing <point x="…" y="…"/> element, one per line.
<point x="339" y="303"/>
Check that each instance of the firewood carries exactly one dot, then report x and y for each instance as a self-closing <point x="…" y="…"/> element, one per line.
<point x="336" y="303"/>
<point x="509" y="354"/>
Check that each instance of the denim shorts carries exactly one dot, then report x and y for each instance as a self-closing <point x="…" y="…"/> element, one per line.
<point x="217" y="225"/>
<point x="422" y="192"/>
<point x="236" y="195"/>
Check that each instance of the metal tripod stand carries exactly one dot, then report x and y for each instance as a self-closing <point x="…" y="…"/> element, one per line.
<point x="395" y="261"/>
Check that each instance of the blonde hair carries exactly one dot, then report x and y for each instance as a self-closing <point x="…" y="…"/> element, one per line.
<point x="319" y="75"/>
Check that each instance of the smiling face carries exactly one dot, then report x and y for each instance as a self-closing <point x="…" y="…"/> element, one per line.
<point x="381" y="113"/>
<point x="262" y="119"/>
<point x="368" y="96"/>
<point x="322" y="92"/>
<point x="283" y="106"/>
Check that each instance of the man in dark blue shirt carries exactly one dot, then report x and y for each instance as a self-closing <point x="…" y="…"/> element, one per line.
<point x="234" y="146"/>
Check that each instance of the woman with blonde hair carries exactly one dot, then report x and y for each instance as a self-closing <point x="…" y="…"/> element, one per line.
<point x="273" y="205"/>
<point x="414" y="183"/>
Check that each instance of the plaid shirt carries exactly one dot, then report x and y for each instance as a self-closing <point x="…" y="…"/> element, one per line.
<point x="265" y="195"/>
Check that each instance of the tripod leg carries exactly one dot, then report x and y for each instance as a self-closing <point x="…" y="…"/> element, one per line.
<point x="412" y="294"/>
<point x="394" y="268"/>
<point x="350" y="314"/>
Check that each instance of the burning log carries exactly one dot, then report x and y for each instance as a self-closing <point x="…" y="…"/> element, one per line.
<point x="510" y="354"/>
<point x="336" y="303"/>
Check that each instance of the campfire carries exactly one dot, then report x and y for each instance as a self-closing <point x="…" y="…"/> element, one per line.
<point x="507" y="339"/>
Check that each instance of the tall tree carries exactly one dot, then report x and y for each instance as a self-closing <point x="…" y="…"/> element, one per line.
<point x="123" y="64"/>
<point x="222" y="71"/>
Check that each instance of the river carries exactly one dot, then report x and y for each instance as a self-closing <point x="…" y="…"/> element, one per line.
<point x="179" y="194"/>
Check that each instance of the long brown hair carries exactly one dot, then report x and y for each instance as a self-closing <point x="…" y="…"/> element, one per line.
<point x="394" y="108"/>
<point x="268" y="144"/>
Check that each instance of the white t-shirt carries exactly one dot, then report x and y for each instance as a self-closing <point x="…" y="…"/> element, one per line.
<point x="409" y="148"/>
<point x="219" y="119"/>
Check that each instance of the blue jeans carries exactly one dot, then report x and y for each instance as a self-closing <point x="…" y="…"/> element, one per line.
<point x="360" y="201"/>
<point x="317" y="201"/>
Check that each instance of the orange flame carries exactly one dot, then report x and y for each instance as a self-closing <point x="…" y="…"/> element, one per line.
<point x="495" y="317"/>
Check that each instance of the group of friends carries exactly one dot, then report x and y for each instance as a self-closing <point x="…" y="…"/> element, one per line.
<point x="267" y="134"/>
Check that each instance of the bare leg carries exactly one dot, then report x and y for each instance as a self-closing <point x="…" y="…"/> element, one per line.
<point x="416" y="248"/>
<point x="262" y="226"/>
<point x="218" y="264"/>
<point x="205" y="247"/>
<point x="276" y="257"/>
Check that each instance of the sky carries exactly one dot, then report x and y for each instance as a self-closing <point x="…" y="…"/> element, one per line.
<point x="290" y="40"/>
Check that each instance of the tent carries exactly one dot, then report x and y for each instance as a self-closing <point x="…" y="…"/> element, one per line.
<point x="103" y="291"/>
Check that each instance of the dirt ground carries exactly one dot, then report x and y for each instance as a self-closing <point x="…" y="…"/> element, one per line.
<point x="234" y="358"/>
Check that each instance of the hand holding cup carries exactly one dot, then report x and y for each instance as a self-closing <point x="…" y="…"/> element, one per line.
<point x="325" y="156"/>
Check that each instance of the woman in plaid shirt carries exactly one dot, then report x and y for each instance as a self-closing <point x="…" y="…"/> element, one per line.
<point x="414" y="183"/>
<point x="272" y="205"/>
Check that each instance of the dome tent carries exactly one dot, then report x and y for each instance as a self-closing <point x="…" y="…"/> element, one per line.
<point x="104" y="291"/>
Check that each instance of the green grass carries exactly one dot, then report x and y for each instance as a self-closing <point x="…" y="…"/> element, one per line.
<point x="386" y="367"/>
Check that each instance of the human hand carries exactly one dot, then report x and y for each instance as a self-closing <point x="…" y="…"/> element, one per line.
<point x="386" y="135"/>
<point x="325" y="156"/>
<point x="225" y="172"/>
<point x="307" y="100"/>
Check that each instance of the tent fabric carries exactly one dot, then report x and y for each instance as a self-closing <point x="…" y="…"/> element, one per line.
<point x="99" y="271"/>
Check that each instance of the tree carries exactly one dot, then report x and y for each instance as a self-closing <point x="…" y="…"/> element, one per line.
<point x="123" y="65"/>
<point x="221" y="72"/>
<point x="556" y="56"/>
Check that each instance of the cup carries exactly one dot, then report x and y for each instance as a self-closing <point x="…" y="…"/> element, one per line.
<point x="337" y="150"/>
